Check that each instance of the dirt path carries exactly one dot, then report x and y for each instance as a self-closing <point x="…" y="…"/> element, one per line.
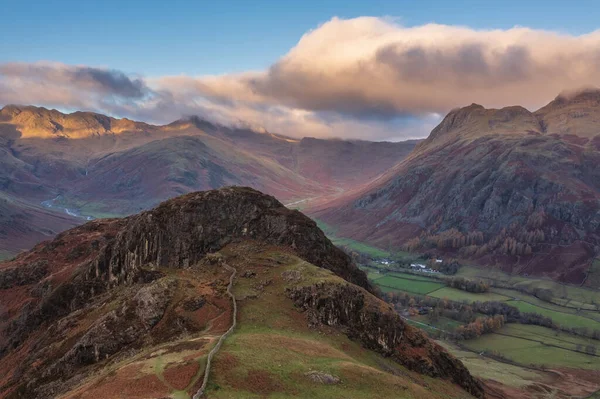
<point x="216" y="348"/>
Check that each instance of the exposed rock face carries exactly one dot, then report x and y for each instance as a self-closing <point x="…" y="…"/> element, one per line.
<point x="379" y="328"/>
<point x="181" y="231"/>
<point x="178" y="234"/>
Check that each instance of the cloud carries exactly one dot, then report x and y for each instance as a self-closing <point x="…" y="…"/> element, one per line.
<point x="358" y="78"/>
<point x="370" y="68"/>
<point x="68" y="86"/>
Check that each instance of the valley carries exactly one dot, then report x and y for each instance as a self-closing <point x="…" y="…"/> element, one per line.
<point x="518" y="360"/>
<point x="86" y="165"/>
<point x="314" y="200"/>
<point x="506" y="189"/>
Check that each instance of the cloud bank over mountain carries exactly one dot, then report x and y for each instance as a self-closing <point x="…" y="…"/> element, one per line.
<point x="359" y="78"/>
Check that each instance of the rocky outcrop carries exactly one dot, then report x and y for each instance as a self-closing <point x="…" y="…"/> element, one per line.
<point x="177" y="234"/>
<point x="377" y="327"/>
<point x="23" y="275"/>
<point x="181" y="231"/>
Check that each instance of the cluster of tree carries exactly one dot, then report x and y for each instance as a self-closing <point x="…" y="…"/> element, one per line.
<point x="476" y="286"/>
<point x="536" y="219"/>
<point x="448" y="239"/>
<point x="448" y="268"/>
<point x="468" y="313"/>
<point x="513" y="247"/>
<point x="516" y="240"/>
<point x="481" y="325"/>
<point x="583" y="332"/>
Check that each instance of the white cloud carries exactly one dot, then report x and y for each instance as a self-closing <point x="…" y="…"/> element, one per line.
<point x="359" y="78"/>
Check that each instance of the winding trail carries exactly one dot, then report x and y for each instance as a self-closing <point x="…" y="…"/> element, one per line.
<point x="216" y="348"/>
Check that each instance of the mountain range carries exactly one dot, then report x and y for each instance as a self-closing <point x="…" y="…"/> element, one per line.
<point x="58" y="170"/>
<point x="505" y="188"/>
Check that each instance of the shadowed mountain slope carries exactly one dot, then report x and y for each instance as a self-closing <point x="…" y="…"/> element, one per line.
<point x="508" y="188"/>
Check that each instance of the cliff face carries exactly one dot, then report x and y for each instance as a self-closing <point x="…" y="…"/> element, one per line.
<point x="181" y="231"/>
<point x="380" y="329"/>
<point x="175" y="235"/>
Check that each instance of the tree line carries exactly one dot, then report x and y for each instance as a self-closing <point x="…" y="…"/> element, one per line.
<point x="468" y="314"/>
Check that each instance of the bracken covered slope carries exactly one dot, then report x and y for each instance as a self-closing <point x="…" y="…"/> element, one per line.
<point x="507" y="187"/>
<point x="130" y="308"/>
<point x="97" y="166"/>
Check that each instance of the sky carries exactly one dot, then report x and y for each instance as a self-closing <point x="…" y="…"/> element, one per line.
<point x="356" y="69"/>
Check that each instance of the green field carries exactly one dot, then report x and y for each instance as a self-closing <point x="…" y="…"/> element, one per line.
<point x="418" y="277"/>
<point x="551" y="306"/>
<point x="532" y="353"/>
<point x="486" y="368"/>
<point x="561" y="318"/>
<point x="357" y="246"/>
<point x="525" y="349"/>
<point x="408" y="285"/>
<point x="443" y="323"/>
<point x="551" y="337"/>
<point x="564" y="295"/>
<point x="457" y="295"/>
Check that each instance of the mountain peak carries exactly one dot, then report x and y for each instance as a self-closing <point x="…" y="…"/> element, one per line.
<point x="580" y="95"/>
<point x="474" y="121"/>
<point x="573" y="113"/>
<point x="34" y="121"/>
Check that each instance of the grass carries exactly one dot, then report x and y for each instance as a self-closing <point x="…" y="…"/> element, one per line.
<point x="416" y="277"/>
<point x="564" y="295"/>
<point x="489" y="369"/>
<point x="408" y="285"/>
<point x="526" y="351"/>
<point x="272" y="349"/>
<point x="536" y="301"/>
<point x="357" y="246"/>
<point x="443" y="323"/>
<point x="454" y="294"/>
<point x="561" y="318"/>
<point x="551" y="337"/>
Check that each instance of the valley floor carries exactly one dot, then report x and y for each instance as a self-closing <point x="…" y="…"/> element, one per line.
<point x="520" y="361"/>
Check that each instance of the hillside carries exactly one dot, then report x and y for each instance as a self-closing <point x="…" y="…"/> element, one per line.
<point x="98" y="166"/>
<point x="508" y="188"/>
<point x="22" y="225"/>
<point x="131" y="308"/>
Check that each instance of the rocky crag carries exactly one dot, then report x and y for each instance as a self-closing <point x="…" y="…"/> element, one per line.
<point x="79" y="313"/>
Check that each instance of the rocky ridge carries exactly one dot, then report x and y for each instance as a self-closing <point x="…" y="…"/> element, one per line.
<point x="111" y="290"/>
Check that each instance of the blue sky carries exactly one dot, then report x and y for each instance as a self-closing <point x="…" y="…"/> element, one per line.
<point x="212" y="37"/>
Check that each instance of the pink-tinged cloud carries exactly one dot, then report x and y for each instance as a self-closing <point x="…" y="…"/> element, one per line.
<point x="359" y="78"/>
